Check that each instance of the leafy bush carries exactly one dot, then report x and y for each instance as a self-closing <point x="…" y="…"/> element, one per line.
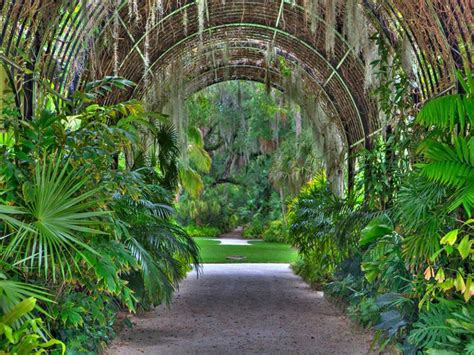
<point x="84" y="321"/>
<point x="323" y="228"/>
<point x="86" y="209"/>
<point x="202" y="231"/>
<point x="410" y="274"/>
<point x="446" y="326"/>
<point x="276" y="231"/>
<point x="255" y="229"/>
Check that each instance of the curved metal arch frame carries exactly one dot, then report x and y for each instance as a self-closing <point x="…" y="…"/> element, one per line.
<point x="272" y="29"/>
<point x="273" y="84"/>
<point x="191" y="4"/>
<point x="424" y="44"/>
<point x="335" y="112"/>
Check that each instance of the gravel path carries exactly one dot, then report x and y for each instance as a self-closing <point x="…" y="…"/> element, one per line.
<point x="243" y="309"/>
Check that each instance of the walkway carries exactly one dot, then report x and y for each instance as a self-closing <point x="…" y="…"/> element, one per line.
<point x="244" y="309"/>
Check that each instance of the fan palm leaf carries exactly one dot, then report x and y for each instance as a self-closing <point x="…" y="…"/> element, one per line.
<point x="49" y="228"/>
<point x="13" y="292"/>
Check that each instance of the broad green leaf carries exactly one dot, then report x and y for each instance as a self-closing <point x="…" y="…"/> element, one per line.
<point x="459" y="283"/>
<point x="19" y="311"/>
<point x="465" y="247"/>
<point x="450" y="238"/>
<point x="372" y="232"/>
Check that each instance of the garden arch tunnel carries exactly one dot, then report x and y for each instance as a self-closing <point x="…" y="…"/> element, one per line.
<point x="70" y="41"/>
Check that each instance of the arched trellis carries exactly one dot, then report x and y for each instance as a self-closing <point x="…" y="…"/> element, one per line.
<point x="267" y="21"/>
<point x="61" y="41"/>
<point x="240" y="55"/>
<point x="333" y="149"/>
<point x="64" y="27"/>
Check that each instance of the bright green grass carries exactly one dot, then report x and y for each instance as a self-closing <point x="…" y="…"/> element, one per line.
<point x="258" y="252"/>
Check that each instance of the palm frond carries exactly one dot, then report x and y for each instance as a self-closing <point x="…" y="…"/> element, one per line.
<point x="452" y="166"/>
<point x="447" y="111"/>
<point x="432" y="329"/>
<point x="13" y="292"/>
<point x="53" y="221"/>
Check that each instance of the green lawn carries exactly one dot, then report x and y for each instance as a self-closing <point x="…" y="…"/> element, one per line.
<point x="258" y="252"/>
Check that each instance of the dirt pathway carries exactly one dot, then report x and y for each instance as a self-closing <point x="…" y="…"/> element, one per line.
<point x="244" y="309"/>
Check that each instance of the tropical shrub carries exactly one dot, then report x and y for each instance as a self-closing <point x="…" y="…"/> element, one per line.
<point x="410" y="272"/>
<point x="202" y="231"/>
<point x="85" y="321"/>
<point x="86" y="210"/>
<point x="255" y="228"/>
<point x="323" y="228"/>
<point x="27" y="337"/>
<point x="276" y="231"/>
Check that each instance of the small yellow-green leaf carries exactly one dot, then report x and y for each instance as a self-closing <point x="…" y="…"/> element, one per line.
<point x="429" y="273"/>
<point x="467" y="292"/>
<point x="440" y="277"/>
<point x="19" y="311"/>
<point x="447" y="285"/>
<point x="450" y="238"/>
<point x="465" y="247"/>
<point x="459" y="283"/>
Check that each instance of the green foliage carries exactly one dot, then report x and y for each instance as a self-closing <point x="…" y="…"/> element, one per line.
<point x="294" y="163"/>
<point x="13" y="292"/>
<point x="453" y="166"/>
<point x="276" y="232"/>
<point x="86" y="210"/>
<point x="256" y="228"/>
<point x="53" y="219"/>
<point x="449" y="154"/>
<point x="323" y="228"/>
<point x="85" y="321"/>
<point x="410" y="274"/>
<point x="447" y="325"/>
<point x="252" y="139"/>
<point x="202" y="231"/>
<point x="26" y="338"/>
<point x="451" y="111"/>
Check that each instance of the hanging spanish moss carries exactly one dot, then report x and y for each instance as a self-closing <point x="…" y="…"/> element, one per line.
<point x="275" y="124"/>
<point x="330" y="34"/>
<point x="146" y="53"/>
<point x="133" y="12"/>
<point x="270" y="56"/>
<point x="185" y="21"/>
<point x="177" y="105"/>
<point x="355" y="26"/>
<point x="293" y="85"/>
<point x="201" y="8"/>
<point x="116" y="39"/>
<point x="156" y="11"/>
<point x="328" y="142"/>
<point x="226" y="62"/>
<point x="311" y="13"/>
<point x="408" y="56"/>
<point x="370" y="56"/>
